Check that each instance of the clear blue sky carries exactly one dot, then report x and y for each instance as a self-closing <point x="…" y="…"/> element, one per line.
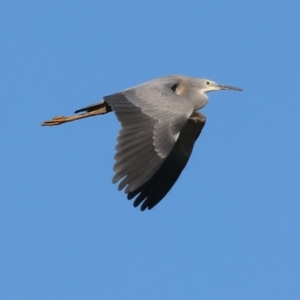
<point x="230" y="227"/>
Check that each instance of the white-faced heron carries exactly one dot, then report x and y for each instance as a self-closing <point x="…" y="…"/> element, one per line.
<point x="160" y="123"/>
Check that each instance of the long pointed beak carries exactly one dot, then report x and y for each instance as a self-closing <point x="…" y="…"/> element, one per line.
<point x="228" y="87"/>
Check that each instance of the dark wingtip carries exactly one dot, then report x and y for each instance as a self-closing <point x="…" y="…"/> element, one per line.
<point x="94" y="106"/>
<point x="79" y="110"/>
<point x="156" y="188"/>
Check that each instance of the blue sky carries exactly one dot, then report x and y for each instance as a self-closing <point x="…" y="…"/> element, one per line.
<point x="230" y="227"/>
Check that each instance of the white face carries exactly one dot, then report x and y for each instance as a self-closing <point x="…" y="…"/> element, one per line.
<point x="209" y="86"/>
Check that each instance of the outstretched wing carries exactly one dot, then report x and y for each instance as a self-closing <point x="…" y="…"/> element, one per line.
<point x="152" y="116"/>
<point x="158" y="131"/>
<point x="153" y="191"/>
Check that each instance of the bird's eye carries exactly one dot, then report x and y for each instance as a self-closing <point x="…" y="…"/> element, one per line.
<point x="207" y="82"/>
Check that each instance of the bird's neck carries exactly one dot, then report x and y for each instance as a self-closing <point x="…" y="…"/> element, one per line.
<point x="200" y="100"/>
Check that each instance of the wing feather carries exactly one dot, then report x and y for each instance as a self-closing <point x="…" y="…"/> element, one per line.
<point x="151" y="192"/>
<point x="151" y="118"/>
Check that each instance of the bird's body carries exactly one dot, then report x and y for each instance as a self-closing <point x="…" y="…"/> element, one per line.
<point x="159" y="126"/>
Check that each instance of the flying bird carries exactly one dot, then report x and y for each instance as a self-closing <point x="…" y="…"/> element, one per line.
<point x="160" y="123"/>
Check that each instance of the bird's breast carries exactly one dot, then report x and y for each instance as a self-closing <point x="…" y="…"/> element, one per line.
<point x="199" y="100"/>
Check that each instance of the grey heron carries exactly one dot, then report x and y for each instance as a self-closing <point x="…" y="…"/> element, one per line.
<point x="160" y="123"/>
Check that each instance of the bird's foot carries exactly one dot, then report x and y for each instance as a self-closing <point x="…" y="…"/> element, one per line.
<point x="61" y="119"/>
<point x="56" y="121"/>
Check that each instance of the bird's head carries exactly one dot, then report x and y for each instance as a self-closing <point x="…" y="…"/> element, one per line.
<point x="198" y="87"/>
<point x="206" y="85"/>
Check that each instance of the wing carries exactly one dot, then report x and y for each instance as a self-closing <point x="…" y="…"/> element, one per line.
<point x="95" y="106"/>
<point x="151" y="117"/>
<point x="153" y="191"/>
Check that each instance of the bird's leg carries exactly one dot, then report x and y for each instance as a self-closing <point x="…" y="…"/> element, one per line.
<point x="61" y="119"/>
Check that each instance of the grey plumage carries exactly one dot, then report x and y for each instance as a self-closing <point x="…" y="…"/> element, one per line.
<point x="159" y="126"/>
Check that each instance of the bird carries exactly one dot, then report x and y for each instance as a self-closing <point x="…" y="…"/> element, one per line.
<point x="160" y="123"/>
